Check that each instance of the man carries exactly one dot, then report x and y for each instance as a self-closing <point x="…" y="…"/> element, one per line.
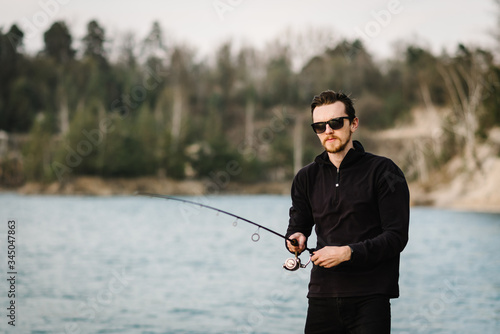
<point x="359" y="205"/>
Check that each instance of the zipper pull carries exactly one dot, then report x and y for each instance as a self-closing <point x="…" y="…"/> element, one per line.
<point x="338" y="178"/>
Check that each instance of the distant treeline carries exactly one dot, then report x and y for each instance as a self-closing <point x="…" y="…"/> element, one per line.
<point x="155" y="107"/>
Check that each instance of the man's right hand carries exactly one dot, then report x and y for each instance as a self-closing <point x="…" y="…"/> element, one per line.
<point x="301" y="239"/>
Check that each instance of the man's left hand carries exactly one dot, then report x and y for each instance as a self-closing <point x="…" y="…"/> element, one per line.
<point x="331" y="256"/>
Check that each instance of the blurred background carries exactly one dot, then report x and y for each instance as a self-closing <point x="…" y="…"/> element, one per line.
<point x="208" y="97"/>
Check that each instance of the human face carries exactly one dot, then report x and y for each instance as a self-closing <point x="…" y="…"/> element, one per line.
<point x="335" y="141"/>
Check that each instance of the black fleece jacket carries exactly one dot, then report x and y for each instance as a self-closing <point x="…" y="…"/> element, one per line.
<point x="363" y="204"/>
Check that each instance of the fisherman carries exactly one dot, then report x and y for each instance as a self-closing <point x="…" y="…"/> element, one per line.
<point x="359" y="205"/>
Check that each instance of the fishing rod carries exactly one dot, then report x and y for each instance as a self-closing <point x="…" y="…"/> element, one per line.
<point x="290" y="264"/>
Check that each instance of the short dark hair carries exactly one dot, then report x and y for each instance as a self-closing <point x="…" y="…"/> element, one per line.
<point x="329" y="97"/>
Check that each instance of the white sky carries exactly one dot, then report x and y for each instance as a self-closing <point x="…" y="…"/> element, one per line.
<point x="380" y="23"/>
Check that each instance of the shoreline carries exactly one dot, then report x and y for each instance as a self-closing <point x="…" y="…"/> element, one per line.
<point x="97" y="186"/>
<point x="439" y="198"/>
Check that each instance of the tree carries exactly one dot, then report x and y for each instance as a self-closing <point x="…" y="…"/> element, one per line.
<point x="220" y="97"/>
<point x="179" y="70"/>
<point x="58" y="48"/>
<point x="38" y="150"/>
<point x="248" y="78"/>
<point x="128" y="51"/>
<point x="464" y="78"/>
<point x="225" y="71"/>
<point x="154" y="46"/>
<point x="10" y="59"/>
<point x="422" y="67"/>
<point x="94" y="43"/>
<point x="352" y="69"/>
<point x="280" y="83"/>
<point x="58" y="43"/>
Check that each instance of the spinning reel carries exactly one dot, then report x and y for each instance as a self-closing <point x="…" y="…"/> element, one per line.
<point x="294" y="263"/>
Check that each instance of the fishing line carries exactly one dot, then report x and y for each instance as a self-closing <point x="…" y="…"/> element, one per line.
<point x="290" y="264"/>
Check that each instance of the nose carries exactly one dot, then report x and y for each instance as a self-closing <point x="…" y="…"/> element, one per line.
<point x="328" y="129"/>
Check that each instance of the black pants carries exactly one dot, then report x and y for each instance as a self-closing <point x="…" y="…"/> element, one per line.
<point x="353" y="315"/>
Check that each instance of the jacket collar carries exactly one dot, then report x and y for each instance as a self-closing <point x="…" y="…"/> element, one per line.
<point x="351" y="157"/>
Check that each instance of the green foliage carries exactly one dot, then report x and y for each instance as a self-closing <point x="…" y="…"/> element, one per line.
<point x="124" y="154"/>
<point x="173" y="158"/>
<point x="160" y="108"/>
<point x="94" y="43"/>
<point x="175" y="164"/>
<point x="491" y="102"/>
<point x="371" y="112"/>
<point x="80" y="148"/>
<point x="252" y="170"/>
<point x="26" y="99"/>
<point x="213" y="156"/>
<point x="12" y="171"/>
<point x="37" y="151"/>
<point x="58" y="43"/>
<point x="110" y="145"/>
<point x="11" y="60"/>
<point x="280" y="83"/>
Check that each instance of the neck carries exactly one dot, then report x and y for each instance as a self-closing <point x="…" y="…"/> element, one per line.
<point x="337" y="157"/>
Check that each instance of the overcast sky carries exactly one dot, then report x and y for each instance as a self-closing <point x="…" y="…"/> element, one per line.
<point x="204" y="24"/>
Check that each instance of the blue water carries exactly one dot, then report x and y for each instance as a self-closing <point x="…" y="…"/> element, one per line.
<point x="144" y="265"/>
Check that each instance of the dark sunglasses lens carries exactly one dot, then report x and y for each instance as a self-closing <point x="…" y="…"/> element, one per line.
<point x="319" y="127"/>
<point x="336" y="124"/>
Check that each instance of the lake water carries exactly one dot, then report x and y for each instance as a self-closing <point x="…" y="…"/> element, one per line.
<point x="147" y="265"/>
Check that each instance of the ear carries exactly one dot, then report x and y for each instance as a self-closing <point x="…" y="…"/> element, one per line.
<point x="354" y="124"/>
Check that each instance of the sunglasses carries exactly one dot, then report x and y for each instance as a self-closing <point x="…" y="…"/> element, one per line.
<point x="334" y="123"/>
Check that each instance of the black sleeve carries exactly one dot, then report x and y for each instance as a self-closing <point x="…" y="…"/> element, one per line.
<point x="301" y="219"/>
<point x="394" y="207"/>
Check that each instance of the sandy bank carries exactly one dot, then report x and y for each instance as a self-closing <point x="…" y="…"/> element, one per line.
<point x="479" y="193"/>
<point x="96" y="186"/>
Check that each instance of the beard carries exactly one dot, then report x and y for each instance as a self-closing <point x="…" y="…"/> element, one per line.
<point x="339" y="145"/>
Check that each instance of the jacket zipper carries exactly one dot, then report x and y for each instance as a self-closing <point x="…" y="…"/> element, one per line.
<point x="337" y="186"/>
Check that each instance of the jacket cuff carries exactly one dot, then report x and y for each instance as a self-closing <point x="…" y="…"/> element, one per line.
<point x="354" y="253"/>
